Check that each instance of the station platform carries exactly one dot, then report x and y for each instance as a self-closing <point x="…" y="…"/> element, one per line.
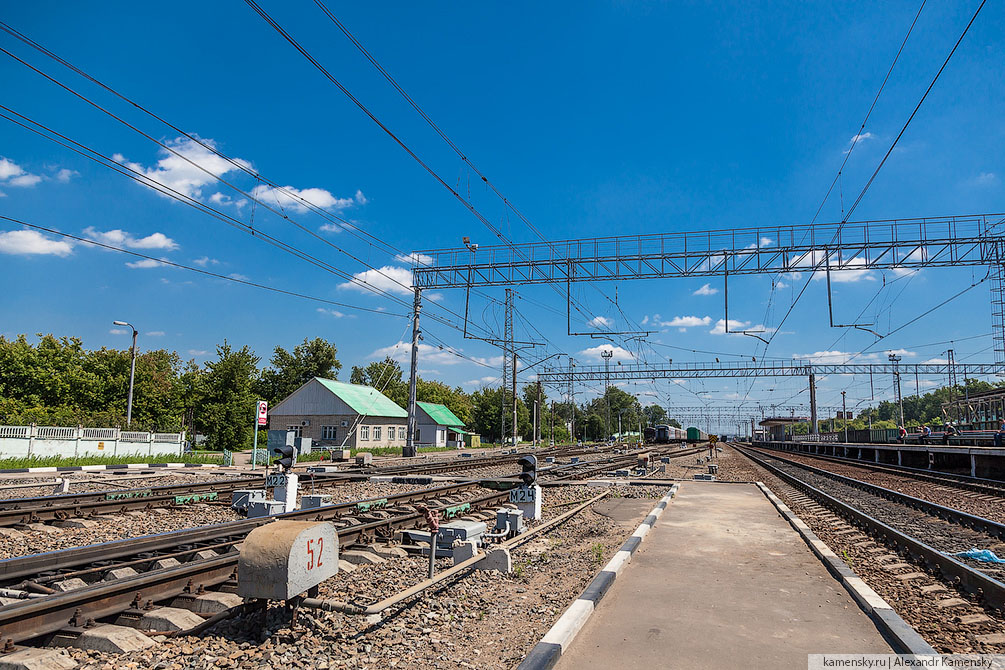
<point x="722" y="581"/>
<point x="983" y="462"/>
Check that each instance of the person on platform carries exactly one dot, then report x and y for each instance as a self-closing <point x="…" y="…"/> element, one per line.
<point x="1000" y="435"/>
<point x="948" y="432"/>
<point x="902" y="434"/>
<point x="926" y="433"/>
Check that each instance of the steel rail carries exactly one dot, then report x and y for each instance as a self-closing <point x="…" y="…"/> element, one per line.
<point x="29" y="619"/>
<point x="973" y="581"/>
<point x="962" y="482"/>
<point x="198" y="538"/>
<point x="20" y="511"/>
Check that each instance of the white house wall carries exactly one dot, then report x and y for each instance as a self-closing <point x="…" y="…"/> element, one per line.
<point x="311" y="399"/>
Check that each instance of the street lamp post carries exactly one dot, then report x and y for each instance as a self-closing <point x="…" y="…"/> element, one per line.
<point x="132" y="372"/>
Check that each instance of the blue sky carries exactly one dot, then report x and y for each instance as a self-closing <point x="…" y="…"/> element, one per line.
<point x="594" y="119"/>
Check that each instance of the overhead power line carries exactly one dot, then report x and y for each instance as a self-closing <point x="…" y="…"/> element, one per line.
<point x="202" y="271"/>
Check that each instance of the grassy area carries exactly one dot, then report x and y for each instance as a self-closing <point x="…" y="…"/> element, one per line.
<point x="53" y="461"/>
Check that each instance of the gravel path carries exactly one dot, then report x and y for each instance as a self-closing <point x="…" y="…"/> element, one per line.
<point x="479" y="620"/>
<point x="921" y="603"/>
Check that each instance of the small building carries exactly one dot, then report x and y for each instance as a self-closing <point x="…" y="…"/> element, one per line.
<point x="334" y="413"/>
<point x="437" y="426"/>
<point x="780" y="428"/>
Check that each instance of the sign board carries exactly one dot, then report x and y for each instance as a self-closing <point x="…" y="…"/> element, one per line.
<point x="712" y="439"/>
<point x="275" y="479"/>
<point x="523" y="494"/>
<point x="262" y="413"/>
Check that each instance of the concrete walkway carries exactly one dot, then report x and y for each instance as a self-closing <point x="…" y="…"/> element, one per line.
<point x="722" y="581"/>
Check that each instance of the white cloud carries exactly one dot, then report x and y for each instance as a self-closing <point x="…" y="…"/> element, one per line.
<point x="205" y="260"/>
<point x="986" y="179"/>
<point x="14" y="175"/>
<point x="483" y="381"/>
<point x="600" y="322"/>
<point x="620" y="354"/>
<point x="360" y="198"/>
<point x="852" y="270"/>
<point x="117" y="331"/>
<point x="66" y="175"/>
<point x="936" y="361"/>
<point x="860" y="138"/>
<point x="120" y="238"/>
<point x="331" y="312"/>
<point x="182" y="172"/>
<point x="26" y="180"/>
<point x="402" y="352"/>
<point x="720" y="326"/>
<point x="223" y="199"/>
<point x="197" y="352"/>
<point x="414" y="259"/>
<point x="686" y="322"/>
<point x="435" y="296"/>
<point x="761" y="243"/>
<point x="644" y="321"/>
<point x="833" y="357"/>
<point x="30" y="242"/>
<point x="330" y="228"/>
<point x="900" y="352"/>
<point x="781" y="284"/>
<point x="146" y="263"/>
<point x="706" y="289"/>
<point x="388" y="278"/>
<point x="9" y="168"/>
<point x="155" y="333"/>
<point x="238" y="276"/>
<point x="292" y="198"/>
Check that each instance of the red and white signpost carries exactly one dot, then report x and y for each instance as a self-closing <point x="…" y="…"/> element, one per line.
<point x="261" y="418"/>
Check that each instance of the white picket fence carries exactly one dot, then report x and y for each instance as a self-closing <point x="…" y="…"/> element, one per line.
<point x="33" y="440"/>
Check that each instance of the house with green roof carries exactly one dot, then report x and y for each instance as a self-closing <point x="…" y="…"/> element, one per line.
<point x="338" y="414"/>
<point x="437" y="426"/>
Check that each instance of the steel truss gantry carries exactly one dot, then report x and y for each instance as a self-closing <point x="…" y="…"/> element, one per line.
<point x="866" y="245"/>
<point x="621" y="373"/>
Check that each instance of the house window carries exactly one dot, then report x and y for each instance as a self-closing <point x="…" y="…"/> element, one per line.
<point x="298" y="431"/>
<point x="328" y="432"/>
<point x="402" y="433"/>
<point x="364" y="432"/>
<point x="376" y="432"/>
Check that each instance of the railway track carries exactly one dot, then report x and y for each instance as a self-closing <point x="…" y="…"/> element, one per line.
<point x="988" y="487"/>
<point x="19" y="511"/>
<point x="41" y="509"/>
<point x="929" y="532"/>
<point x="205" y="558"/>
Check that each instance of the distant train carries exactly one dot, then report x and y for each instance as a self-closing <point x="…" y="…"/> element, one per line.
<point x="664" y="434"/>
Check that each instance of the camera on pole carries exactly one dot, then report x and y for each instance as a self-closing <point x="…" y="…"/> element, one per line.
<point x="529" y="467"/>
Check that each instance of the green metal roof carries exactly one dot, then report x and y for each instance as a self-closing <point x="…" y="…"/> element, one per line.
<point x="364" y="400"/>
<point x="440" y="414"/>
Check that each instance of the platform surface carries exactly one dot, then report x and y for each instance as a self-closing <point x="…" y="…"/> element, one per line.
<point x="722" y="581"/>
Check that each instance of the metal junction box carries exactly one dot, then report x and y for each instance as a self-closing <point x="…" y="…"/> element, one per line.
<point x="242" y="498"/>
<point x="260" y="508"/>
<point x="315" y="501"/>
<point x="461" y="530"/>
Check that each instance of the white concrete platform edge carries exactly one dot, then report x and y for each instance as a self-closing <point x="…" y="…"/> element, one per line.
<point x="903" y="636"/>
<point x="548" y="651"/>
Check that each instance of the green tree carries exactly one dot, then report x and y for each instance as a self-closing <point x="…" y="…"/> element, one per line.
<point x="455" y="399"/>
<point x="227" y="398"/>
<point x="289" y="371"/>
<point x="654" y="415"/>
<point x="386" y="376"/>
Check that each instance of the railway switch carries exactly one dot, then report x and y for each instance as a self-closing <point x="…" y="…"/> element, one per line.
<point x="285" y="559"/>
